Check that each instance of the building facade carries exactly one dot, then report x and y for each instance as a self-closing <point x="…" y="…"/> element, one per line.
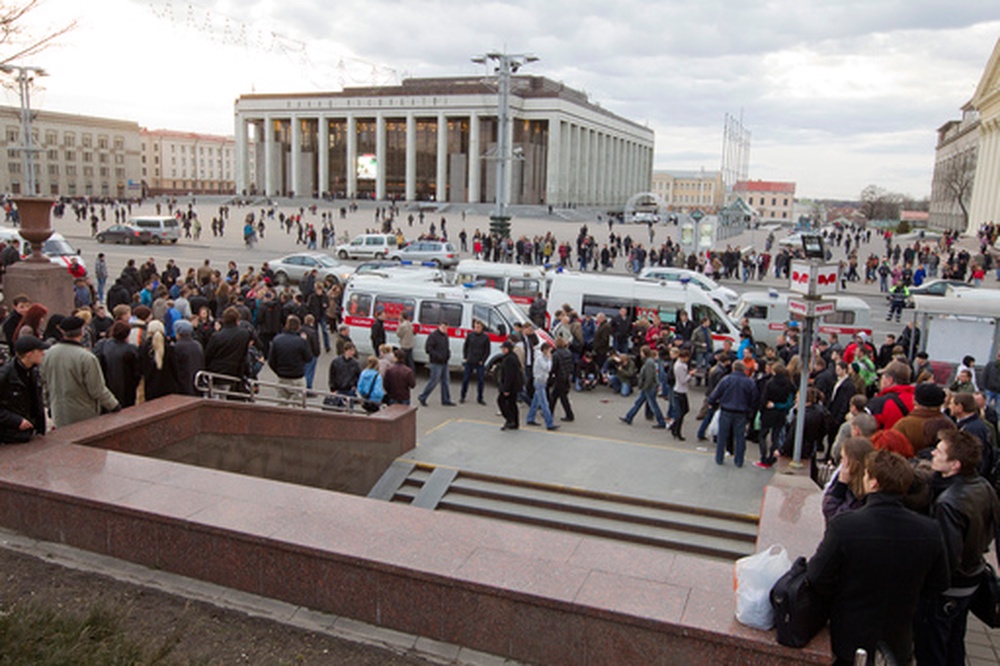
<point x="181" y="163"/>
<point x="955" y="158"/>
<point x="774" y="201"/>
<point x="75" y="155"/>
<point x="985" y="205"/>
<point x="435" y="140"/>
<point x="686" y="191"/>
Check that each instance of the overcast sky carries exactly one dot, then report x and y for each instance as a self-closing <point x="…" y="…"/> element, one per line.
<point x="837" y="94"/>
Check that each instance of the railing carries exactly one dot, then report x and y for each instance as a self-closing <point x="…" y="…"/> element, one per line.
<point x="217" y="386"/>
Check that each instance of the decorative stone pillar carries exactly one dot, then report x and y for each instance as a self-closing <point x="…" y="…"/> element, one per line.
<point x="43" y="281"/>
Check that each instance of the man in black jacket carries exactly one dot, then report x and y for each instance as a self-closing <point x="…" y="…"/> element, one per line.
<point x="268" y="320"/>
<point x="22" y="407"/>
<point x="876" y="563"/>
<point x="344" y="371"/>
<point x="475" y="353"/>
<point x="438" y="352"/>
<point x="562" y="369"/>
<point x="968" y="512"/>
<point x="378" y="330"/>
<point x="511" y="380"/>
<point x="290" y="353"/>
<point x="316" y="304"/>
<point x="226" y="351"/>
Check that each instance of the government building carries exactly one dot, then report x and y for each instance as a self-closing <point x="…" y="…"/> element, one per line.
<point x="435" y="139"/>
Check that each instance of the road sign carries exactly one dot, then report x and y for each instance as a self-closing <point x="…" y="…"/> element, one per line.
<point x="696" y="215"/>
<point x="812" y="279"/>
<point x="810" y="308"/>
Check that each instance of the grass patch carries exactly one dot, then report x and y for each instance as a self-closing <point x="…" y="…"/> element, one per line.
<point x="30" y="635"/>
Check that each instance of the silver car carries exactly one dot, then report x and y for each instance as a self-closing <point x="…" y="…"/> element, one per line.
<point x="294" y="267"/>
<point x="441" y="253"/>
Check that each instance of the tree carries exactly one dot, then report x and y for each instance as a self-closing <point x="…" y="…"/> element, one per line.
<point x="13" y="34"/>
<point x="877" y="203"/>
<point x="957" y="175"/>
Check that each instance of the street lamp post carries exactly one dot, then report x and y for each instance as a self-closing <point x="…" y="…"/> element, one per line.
<point x="25" y="77"/>
<point x="507" y="64"/>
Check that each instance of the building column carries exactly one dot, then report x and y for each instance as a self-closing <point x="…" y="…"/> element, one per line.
<point x="474" y="158"/>
<point x="595" y="167"/>
<point x="992" y="172"/>
<point x="978" y="210"/>
<point x="411" y="157"/>
<point x="553" y="163"/>
<point x="268" y="156"/>
<point x="380" y="157"/>
<point x="352" y="157"/>
<point x="576" y="166"/>
<point x="585" y="165"/>
<point x="241" y="155"/>
<point x="441" y="161"/>
<point x="296" y="157"/>
<point x="323" y="146"/>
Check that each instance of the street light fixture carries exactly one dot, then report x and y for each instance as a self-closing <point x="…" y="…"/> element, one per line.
<point x="506" y="65"/>
<point x="25" y="76"/>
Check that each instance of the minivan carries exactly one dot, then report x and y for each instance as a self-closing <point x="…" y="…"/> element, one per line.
<point x="161" y="228"/>
<point x="368" y="246"/>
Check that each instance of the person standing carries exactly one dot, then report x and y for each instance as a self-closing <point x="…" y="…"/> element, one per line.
<point x="404" y="333"/>
<point x="378" y="330"/>
<point x="647" y="389"/>
<point x="74" y="384"/>
<point x="562" y="368"/>
<point x="682" y="375"/>
<point x="475" y="353"/>
<point x="22" y="406"/>
<point x="438" y="350"/>
<point x="510" y="382"/>
<point x="966" y="508"/>
<point x="345" y="371"/>
<point x="736" y="397"/>
<point x="156" y="363"/>
<point x="101" y="274"/>
<point x="119" y="360"/>
<point x="226" y="350"/>
<point x="399" y="380"/>
<point x="540" y="375"/>
<point x="189" y="357"/>
<point x="317" y="304"/>
<point x="290" y="354"/>
<point x="875" y="563"/>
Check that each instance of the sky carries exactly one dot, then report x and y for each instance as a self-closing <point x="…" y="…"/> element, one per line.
<point x="836" y="94"/>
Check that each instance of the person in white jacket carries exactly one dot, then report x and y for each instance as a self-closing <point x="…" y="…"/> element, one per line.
<point x="540" y="375"/>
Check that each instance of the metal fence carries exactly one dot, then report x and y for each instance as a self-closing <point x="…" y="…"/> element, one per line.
<point x="216" y="386"/>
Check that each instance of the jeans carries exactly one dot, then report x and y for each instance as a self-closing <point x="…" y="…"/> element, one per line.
<point x="992" y="399"/>
<point x="732" y="427"/>
<point x="439" y="375"/>
<point x="646" y="397"/>
<point x="101" y="282"/>
<point x="777" y="433"/>
<point x="618" y="386"/>
<point x="324" y="329"/>
<point x="939" y="630"/>
<point x="540" y="402"/>
<point x="311" y="372"/>
<point x="705" y="422"/>
<point x="480" y="371"/>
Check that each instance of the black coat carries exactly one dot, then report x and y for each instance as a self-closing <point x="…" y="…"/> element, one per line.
<point x="438" y="348"/>
<point x="289" y="354"/>
<point x="189" y="358"/>
<point x="874" y="564"/>
<point x="120" y="364"/>
<point x="511" y="377"/>
<point x="158" y="381"/>
<point x="226" y="351"/>
<point x="20" y="398"/>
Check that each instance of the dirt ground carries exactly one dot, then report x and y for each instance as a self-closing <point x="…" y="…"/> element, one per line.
<point x="200" y="633"/>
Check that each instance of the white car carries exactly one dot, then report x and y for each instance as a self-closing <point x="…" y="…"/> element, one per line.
<point x="724" y="296"/>
<point x="368" y="246"/>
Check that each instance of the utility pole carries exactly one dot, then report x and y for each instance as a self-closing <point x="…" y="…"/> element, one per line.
<point x="25" y="77"/>
<point x="507" y="64"/>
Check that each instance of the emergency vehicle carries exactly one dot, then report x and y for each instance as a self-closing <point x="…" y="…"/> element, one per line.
<point x="430" y="304"/>
<point x="55" y="248"/>
<point x="589" y="294"/>
<point x="521" y="283"/>
<point x="768" y="315"/>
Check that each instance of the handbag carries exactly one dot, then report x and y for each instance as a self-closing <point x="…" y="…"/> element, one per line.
<point x="799" y="612"/>
<point x="986" y="599"/>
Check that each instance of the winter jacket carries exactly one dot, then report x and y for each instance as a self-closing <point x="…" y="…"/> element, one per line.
<point x="20" y="398"/>
<point x="289" y="354"/>
<point x="438" y="348"/>
<point x="226" y="351"/>
<point x="74" y="384"/>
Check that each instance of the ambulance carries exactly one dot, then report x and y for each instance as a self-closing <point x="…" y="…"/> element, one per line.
<point x="768" y="315"/>
<point x="522" y="283"/>
<point x="430" y="304"/>
<point x="56" y="248"/>
<point x="590" y="293"/>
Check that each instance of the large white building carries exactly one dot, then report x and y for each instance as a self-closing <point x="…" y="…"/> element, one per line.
<point x="434" y="140"/>
<point x="179" y="163"/>
<point x="74" y="155"/>
<point x="689" y="190"/>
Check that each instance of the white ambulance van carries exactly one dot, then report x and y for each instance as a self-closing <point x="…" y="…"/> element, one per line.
<point x="56" y="248"/>
<point x="767" y="313"/>
<point x="521" y="283"/>
<point x="590" y="293"/>
<point x="430" y="304"/>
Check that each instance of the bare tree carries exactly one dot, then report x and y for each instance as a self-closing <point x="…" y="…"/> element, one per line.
<point x="957" y="176"/>
<point x="13" y="33"/>
<point x="877" y="203"/>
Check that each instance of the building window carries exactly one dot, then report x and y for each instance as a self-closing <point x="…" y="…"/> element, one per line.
<point x="53" y="169"/>
<point x="102" y="158"/>
<point x="786" y="202"/>
<point x="102" y="142"/>
<point x="70" y="170"/>
<point x="87" y="141"/>
<point x="70" y="156"/>
<point x="120" y="143"/>
<point x="51" y="138"/>
<point x="104" y="172"/>
<point x="88" y="172"/>
<point x="52" y="154"/>
<point x="120" y="173"/>
<point x="69" y="140"/>
<point x="13" y="134"/>
<point x="88" y="156"/>
<point x="14" y="167"/>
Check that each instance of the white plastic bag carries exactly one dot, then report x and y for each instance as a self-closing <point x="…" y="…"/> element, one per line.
<point x="754" y="577"/>
<point x="713" y="425"/>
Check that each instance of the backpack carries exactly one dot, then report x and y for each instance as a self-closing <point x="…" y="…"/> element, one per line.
<point x="799" y="612"/>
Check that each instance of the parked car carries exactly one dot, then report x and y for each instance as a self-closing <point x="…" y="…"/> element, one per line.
<point x="162" y="228"/>
<point x="937" y="287"/>
<point x="441" y="253"/>
<point x="294" y="267"/>
<point x="129" y="234"/>
<point x="368" y="246"/>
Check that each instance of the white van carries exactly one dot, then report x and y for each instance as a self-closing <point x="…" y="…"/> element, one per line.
<point x="521" y="283"/>
<point x="161" y="228"/>
<point x="368" y="246"/>
<point x="767" y="313"/>
<point x="56" y="248"/>
<point x="589" y="294"/>
<point x="430" y="304"/>
<point x="724" y="296"/>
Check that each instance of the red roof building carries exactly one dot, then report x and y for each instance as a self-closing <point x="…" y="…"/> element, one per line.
<point x="774" y="201"/>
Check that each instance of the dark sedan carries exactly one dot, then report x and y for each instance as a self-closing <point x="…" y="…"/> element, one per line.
<point x="124" y="233"/>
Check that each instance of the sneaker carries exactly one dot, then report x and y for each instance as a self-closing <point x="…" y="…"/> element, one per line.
<point x="660" y="426"/>
<point x="761" y="465"/>
<point x="552" y="427"/>
<point x="624" y="420"/>
<point x="422" y="401"/>
<point x="531" y="423"/>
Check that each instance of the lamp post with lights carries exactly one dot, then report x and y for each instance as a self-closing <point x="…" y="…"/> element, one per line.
<point x="25" y="76"/>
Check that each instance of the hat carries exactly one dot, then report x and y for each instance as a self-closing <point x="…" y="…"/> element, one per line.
<point x="183" y="327"/>
<point x="861" y="335"/>
<point x="28" y="343"/>
<point x="72" y="325"/>
<point x="899" y="371"/>
<point x="929" y="394"/>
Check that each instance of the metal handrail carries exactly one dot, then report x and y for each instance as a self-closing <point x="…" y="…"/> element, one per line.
<point x="217" y="386"/>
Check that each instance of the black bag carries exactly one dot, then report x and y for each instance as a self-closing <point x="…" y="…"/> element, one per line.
<point x="799" y="612"/>
<point x="986" y="600"/>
